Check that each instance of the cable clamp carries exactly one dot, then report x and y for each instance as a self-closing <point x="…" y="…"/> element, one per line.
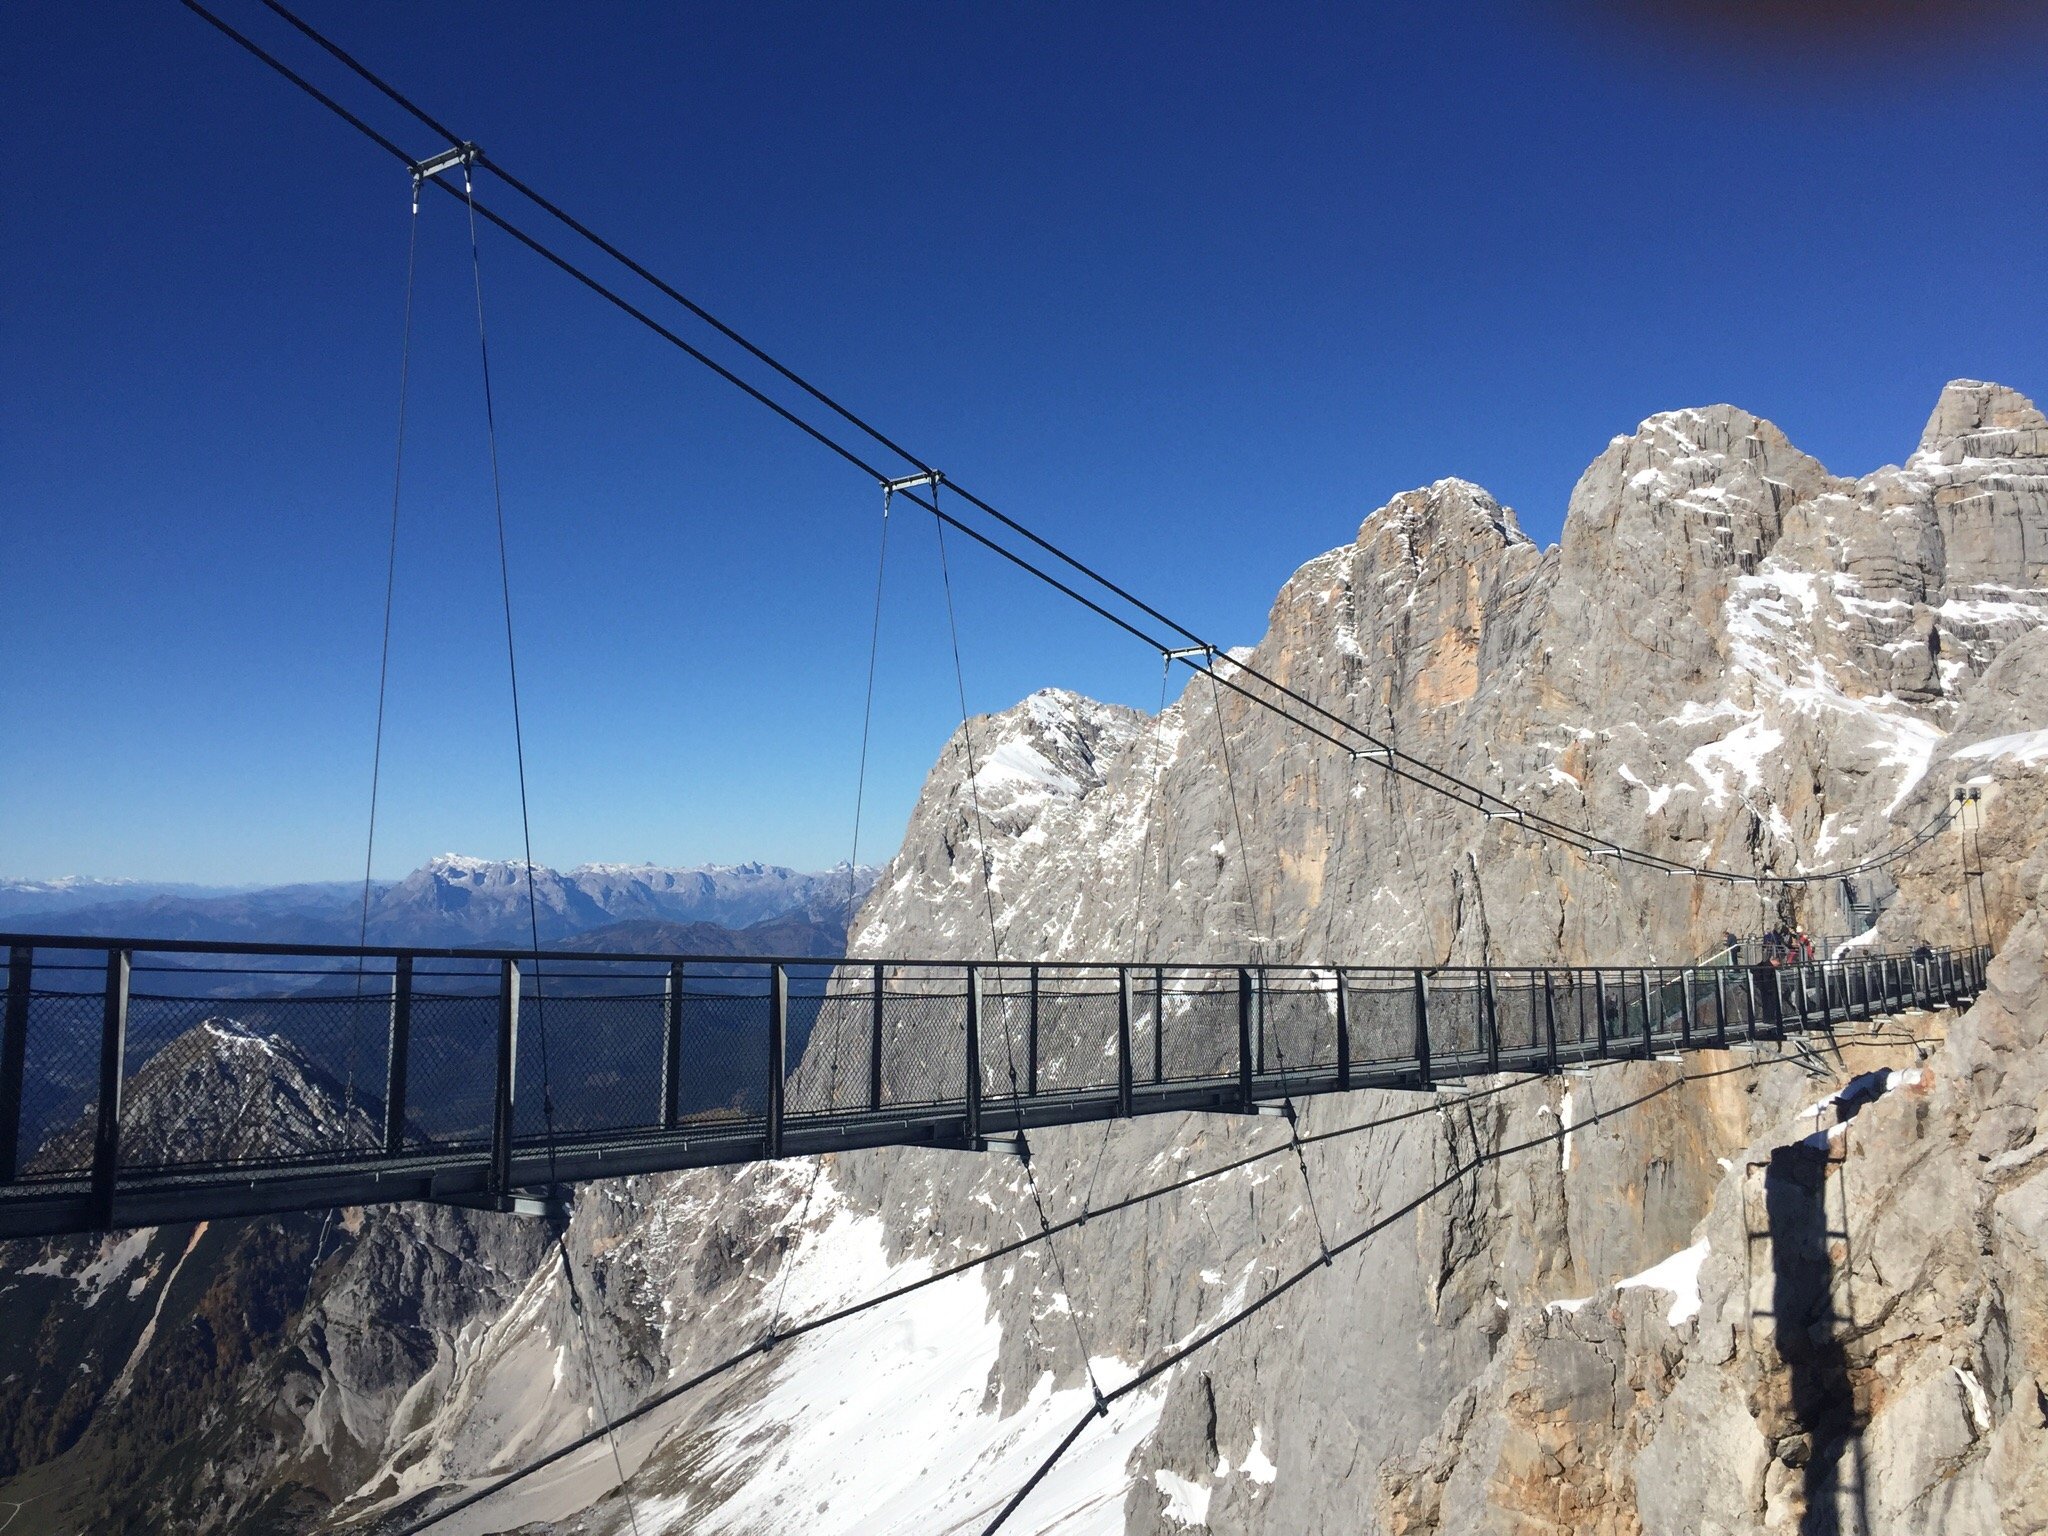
<point x="931" y="477"/>
<point x="1378" y="755"/>
<point x="1206" y="652"/>
<point x="1101" y="1404"/>
<point x="463" y="154"/>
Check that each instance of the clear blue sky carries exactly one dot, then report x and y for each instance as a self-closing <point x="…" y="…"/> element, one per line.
<point x="1191" y="287"/>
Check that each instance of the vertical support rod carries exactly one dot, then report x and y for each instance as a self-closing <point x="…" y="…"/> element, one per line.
<point x="1343" y="1032"/>
<point x="397" y="1056"/>
<point x="1600" y="1010"/>
<point x="506" y="1100"/>
<point x="973" y="1123"/>
<point x="1550" y="1020"/>
<point x="1158" y="1023"/>
<point x="1755" y="1001"/>
<point x="1031" y="1040"/>
<point x="1422" y="1029"/>
<point x="1685" y="1009"/>
<point x="1123" y="1041"/>
<point x="875" y="1040"/>
<point x="1244" y="1039"/>
<point x="672" y="1047"/>
<point x="778" y="1053"/>
<point x="1649" y="1022"/>
<point x="106" y="1150"/>
<point x="1721" y="1008"/>
<point x="13" y="1056"/>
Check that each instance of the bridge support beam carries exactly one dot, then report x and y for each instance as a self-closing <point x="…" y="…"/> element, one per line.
<point x="505" y="1101"/>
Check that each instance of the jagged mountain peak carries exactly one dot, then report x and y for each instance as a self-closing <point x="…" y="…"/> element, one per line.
<point x="1969" y="408"/>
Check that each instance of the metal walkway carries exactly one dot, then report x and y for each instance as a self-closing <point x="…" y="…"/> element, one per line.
<point x="145" y="1082"/>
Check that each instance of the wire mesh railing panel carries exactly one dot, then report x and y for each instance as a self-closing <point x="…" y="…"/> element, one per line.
<point x="238" y="1081"/>
<point x="838" y="1055"/>
<point x="451" y="1070"/>
<point x="1199" y="1027"/>
<point x="1297" y="1024"/>
<point x="1455" y="1007"/>
<point x="60" y="1084"/>
<point x="1005" y="1039"/>
<point x="723" y="1058"/>
<point x="1571" y="1007"/>
<point x="924" y="1048"/>
<point x="599" y="1060"/>
<point x="1077" y="1041"/>
<point x="1518" y="1013"/>
<point x="1381" y="1014"/>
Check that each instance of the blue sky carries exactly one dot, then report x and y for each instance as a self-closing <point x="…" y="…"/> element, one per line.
<point x="1191" y="288"/>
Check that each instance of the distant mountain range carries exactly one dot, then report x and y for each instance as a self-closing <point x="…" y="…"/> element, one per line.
<point x="452" y="899"/>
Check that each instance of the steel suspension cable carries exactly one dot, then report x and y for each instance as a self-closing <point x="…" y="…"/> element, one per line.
<point x="1379" y="750"/>
<point x="1258" y="954"/>
<point x="547" y="1095"/>
<point x="996" y="954"/>
<point x="867" y="721"/>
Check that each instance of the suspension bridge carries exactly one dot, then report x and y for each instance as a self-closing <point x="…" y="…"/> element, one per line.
<point x="364" y="1076"/>
<point x="146" y="1081"/>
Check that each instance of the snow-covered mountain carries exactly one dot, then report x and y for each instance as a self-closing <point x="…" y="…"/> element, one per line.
<point x="452" y="899"/>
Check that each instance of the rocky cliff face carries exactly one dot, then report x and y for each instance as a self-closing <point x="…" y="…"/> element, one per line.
<point x="1643" y="1298"/>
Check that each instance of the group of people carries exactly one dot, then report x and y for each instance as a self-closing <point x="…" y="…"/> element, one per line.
<point x="1781" y="946"/>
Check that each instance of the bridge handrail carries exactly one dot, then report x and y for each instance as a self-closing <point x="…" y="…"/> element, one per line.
<point x="495" y="953"/>
<point x="950" y="1046"/>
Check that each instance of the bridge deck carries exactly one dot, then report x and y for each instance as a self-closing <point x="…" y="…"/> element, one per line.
<point x="149" y="1082"/>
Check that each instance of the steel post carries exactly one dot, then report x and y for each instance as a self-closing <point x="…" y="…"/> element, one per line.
<point x="1343" y="1032"/>
<point x="505" y="1101"/>
<point x="778" y="1055"/>
<point x="106" y="1148"/>
<point x="1031" y="1040"/>
<point x="1244" y="1038"/>
<point x="1422" y="1029"/>
<point x="1123" y="1041"/>
<point x="397" y="1056"/>
<point x="1600" y="1011"/>
<point x="672" y="1046"/>
<point x="1550" y="1020"/>
<point x="14" y="1056"/>
<point x="972" y="1127"/>
<point x="881" y="991"/>
<point x="1158" y="1024"/>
